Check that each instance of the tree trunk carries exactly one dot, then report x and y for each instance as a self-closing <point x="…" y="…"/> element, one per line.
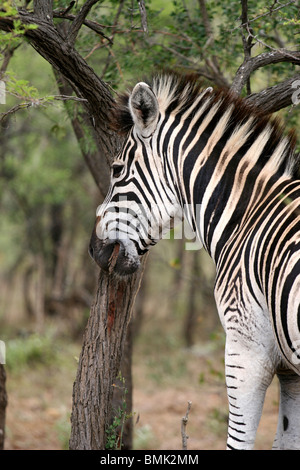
<point x="100" y="360"/>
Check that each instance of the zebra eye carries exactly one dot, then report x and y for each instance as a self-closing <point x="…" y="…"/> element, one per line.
<point x="117" y="170"/>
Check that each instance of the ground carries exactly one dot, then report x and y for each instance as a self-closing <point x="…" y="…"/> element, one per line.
<point x="161" y="412"/>
<point x="40" y="402"/>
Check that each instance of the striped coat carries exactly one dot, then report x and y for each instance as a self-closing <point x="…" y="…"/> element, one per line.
<point x="232" y="173"/>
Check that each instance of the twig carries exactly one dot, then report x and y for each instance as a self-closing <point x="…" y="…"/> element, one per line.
<point x="184" y="422"/>
<point x="88" y="23"/>
<point x="289" y="54"/>
<point x="79" y="20"/>
<point x="261" y="60"/>
<point x="143" y="13"/>
<point x="269" y="12"/>
<point x="213" y="63"/>
<point x="247" y="41"/>
<point x="38" y="102"/>
<point x="69" y="7"/>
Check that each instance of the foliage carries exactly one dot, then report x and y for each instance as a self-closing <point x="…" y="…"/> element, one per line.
<point x="14" y="37"/>
<point x="115" y="430"/>
<point x="30" y="351"/>
<point x="40" y="161"/>
<point x="179" y="37"/>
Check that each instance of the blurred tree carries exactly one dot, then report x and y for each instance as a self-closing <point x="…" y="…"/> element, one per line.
<point x="226" y="43"/>
<point x="3" y="403"/>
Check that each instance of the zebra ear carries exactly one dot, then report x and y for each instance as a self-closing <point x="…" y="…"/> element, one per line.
<point x="143" y="106"/>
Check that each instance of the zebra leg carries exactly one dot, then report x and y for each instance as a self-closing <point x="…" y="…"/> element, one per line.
<point x="288" y="428"/>
<point x="248" y="375"/>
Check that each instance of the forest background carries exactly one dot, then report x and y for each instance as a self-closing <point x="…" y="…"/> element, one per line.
<point x="48" y="203"/>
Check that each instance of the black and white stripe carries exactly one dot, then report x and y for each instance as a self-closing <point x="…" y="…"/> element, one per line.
<point x="234" y="175"/>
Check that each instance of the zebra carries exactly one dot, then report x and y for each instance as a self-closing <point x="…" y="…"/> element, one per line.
<point x="205" y="155"/>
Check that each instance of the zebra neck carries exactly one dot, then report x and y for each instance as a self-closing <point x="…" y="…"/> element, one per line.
<point x="229" y="204"/>
<point x="215" y="156"/>
<point x="220" y="176"/>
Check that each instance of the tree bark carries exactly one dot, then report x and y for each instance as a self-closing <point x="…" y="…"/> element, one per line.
<point x="261" y="60"/>
<point x="274" y="98"/>
<point x="100" y="360"/>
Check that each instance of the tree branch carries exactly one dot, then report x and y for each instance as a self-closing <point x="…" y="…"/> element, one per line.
<point x="49" y="43"/>
<point x="31" y="103"/>
<point x="274" y="98"/>
<point x="92" y="156"/>
<point x="88" y="23"/>
<point x="79" y="20"/>
<point x="269" y="12"/>
<point x="143" y="13"/>
<point x="261" y="60"/>
<point x="205" y="19"/>
<point x="184" y="422"/>
<point x="247" y="41"/>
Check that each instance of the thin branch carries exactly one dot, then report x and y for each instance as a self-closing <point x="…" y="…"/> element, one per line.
<point x="88" y="23"/>
<point x="79" y="20"/>
<point x="113" y="32"/>
<point x="269" y="12"/>
<point x="38" y="102"/>
<point x="247" y="41"/>
<point x="118" y="14"/>
<point x="184" y="422"/>
<point x="261" y="60"/>
<point x="205" y="19"/>
<point x="249" y="65"/>
<point x="211" y="72"/>
<point x="143" y="13"/>
<point x="69" y="8"/>
<point x="7" y="55"/>
<point x="112" y="54"/>
<point x="285" y="52"/>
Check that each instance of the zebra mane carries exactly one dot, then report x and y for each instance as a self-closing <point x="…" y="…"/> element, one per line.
<point x="176" y="93"/>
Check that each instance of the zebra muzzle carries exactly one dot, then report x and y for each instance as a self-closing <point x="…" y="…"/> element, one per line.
<point x="118" y="256"/>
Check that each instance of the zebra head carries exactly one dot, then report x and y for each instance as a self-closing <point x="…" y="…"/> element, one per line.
<point x="140" y="206"/>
